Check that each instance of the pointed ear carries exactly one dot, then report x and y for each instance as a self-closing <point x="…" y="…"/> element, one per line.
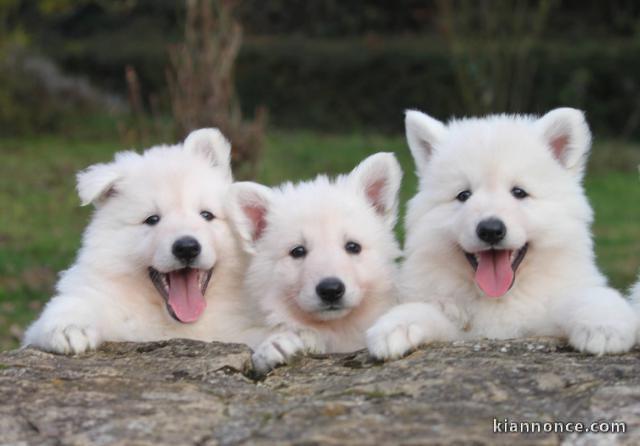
<point x="211" y="145"/>
<point x="566" y="133"/>
<point x="97" y="183"/>
<point x="247" y="206"/>
<point x="423" y="133"/>
<point x="378" y="177"/>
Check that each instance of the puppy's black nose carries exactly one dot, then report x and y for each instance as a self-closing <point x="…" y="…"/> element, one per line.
<point x="330" y="290"/>
<point x="491" y="230"/>
<point x="186" y="248"/>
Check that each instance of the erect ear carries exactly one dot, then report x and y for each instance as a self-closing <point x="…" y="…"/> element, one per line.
<point x="97" y="183"/>
<point x="247" y="206"/>
<point x="566" y="133"/>
<point x="423" y="133"/>
<point x="378" y="177"/>
<point x="212" y="146"/>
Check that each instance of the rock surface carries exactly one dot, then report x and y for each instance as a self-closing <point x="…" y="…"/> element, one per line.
<point x="187" y="392"/>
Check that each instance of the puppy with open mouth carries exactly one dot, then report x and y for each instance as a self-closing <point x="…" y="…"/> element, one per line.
<point x="323" y="253"/>
<point x="498" y="239"/>
<point x="158" y="259"/>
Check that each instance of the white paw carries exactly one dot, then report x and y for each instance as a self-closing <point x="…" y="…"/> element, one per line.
<point x="70" y="339"/>
<point x="392" y="339"/>
<point x="277" y="349"/>
<point x="601" y="339"/>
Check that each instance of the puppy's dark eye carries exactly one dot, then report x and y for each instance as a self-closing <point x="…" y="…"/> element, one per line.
<point x="463" y="196"/>
<point x="519" y="193"/>
<point x="298" y="252"/>
<point x="152" y="220"/>
<point x="353" y="248"/>
<point x="207" y="215"/>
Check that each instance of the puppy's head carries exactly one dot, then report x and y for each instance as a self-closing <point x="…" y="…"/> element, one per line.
<point x="496" y="191"/>
<point x="321" y="248"/>
<point x="159" y="217"/>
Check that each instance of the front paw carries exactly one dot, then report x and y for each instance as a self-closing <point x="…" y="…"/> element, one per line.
<point x="390" y="338"/>
<point x="276" y="350"/>
<point x="69" y="339"/>
<point x="601" y="339"/>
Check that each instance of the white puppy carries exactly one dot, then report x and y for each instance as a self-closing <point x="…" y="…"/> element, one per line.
<point x="498" y="239"/>
<point x="635" y="302"/>
<point x="158" y="259"/>
<point x="323" y="257"/>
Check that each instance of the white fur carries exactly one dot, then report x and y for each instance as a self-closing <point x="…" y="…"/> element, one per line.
<point x="634" y="296"/>
<point x="322" y="215"/>
<point x="558" y="290"/>
<point x="107" y="294"/>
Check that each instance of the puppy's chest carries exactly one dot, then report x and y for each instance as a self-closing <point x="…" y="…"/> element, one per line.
<point x="344" y="342"/>
<point x="326" y="339"/>
<point x="500" y="319"/>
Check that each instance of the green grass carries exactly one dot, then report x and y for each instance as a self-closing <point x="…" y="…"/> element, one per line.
<point x="41" y="221"/>
<point x="616" y="200"/>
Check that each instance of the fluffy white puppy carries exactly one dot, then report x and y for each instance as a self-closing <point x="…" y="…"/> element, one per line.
<point x="635" y="301"/>
<point x="158" y="259"/>
<point x="498" y="238"/>
<point x="322" y="257"/>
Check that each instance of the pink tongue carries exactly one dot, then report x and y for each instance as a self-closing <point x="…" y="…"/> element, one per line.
<point x="185" y="297"/>
<point x="494" y="275"/>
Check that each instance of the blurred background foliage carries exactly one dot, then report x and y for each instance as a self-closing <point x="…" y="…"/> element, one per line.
<point x="81" y="79"/>
<point x="450" y="57"/>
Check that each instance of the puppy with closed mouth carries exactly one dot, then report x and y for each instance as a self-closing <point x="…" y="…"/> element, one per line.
<point x="158" y="259"/>
<point x="322" y="255"/>
<point x="498" y="238"/>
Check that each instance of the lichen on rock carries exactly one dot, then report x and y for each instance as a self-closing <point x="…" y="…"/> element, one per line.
<point x="188" y="392"/>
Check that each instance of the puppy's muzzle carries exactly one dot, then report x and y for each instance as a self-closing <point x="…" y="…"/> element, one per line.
<point x="186" y="249"/>
<point x="491" y="230"/>
<point x="330" y="290"/>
